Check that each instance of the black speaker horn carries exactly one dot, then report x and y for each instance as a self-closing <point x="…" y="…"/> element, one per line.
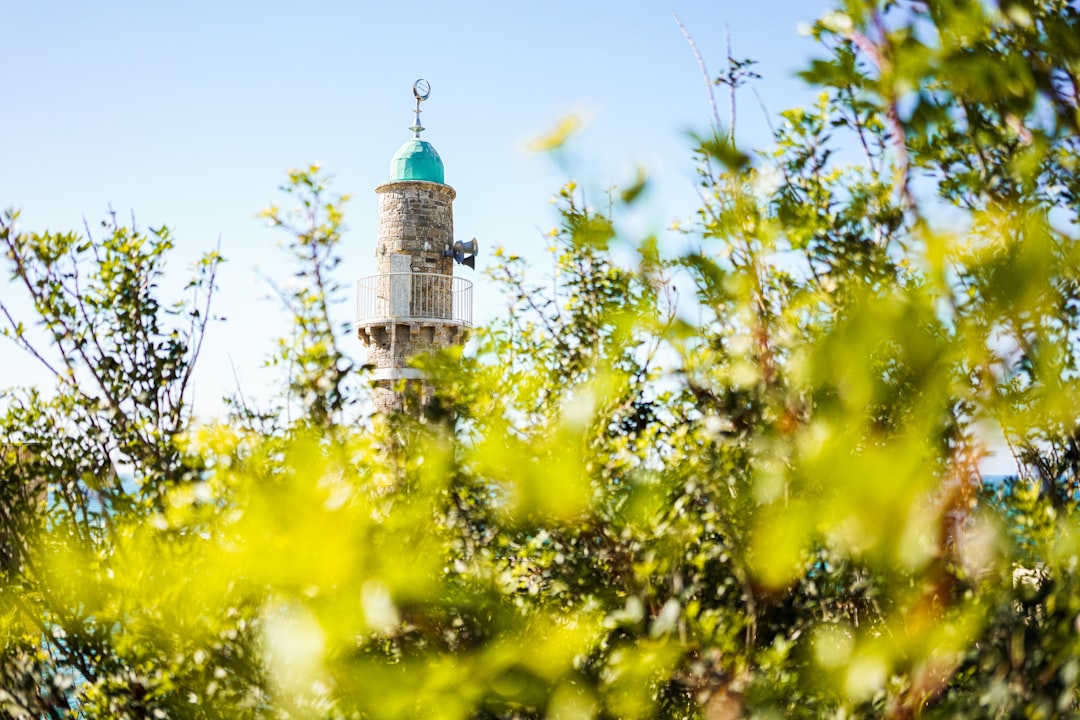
<point x="464" y="253"/>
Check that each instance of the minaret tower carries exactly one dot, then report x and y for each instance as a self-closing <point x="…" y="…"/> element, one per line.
<point x="414" y="303"/>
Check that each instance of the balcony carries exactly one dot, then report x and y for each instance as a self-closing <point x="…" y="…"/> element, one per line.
<point x="413" y="298"/>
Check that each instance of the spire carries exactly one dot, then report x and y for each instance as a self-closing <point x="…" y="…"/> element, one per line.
<point x="420" y="90"/>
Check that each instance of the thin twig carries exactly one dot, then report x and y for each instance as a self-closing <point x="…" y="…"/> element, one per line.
<point x="203" y="321"/>
<point x="704" y="71"/>
<point x="731" y="85"/>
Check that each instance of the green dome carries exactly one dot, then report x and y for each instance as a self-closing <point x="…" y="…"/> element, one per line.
<point x="416" y="160"/>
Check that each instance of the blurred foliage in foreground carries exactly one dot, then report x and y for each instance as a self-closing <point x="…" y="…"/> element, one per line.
<point x="762" y="501"/>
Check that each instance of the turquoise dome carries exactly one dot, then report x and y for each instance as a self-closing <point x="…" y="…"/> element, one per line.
<point x="416" y="160"/>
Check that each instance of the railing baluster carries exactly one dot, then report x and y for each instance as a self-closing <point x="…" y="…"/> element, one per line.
<point x="413" y="297"/>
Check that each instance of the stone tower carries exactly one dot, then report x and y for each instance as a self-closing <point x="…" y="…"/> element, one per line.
<point x="414" y="303"/>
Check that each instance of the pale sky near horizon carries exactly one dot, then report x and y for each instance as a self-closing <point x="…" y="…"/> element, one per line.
<point x="188" y="114"/>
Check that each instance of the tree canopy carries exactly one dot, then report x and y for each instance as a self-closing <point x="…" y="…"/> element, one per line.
<point x="738" y="481"/>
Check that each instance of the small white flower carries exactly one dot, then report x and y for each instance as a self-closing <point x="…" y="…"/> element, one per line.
<point x="837" y="22"/>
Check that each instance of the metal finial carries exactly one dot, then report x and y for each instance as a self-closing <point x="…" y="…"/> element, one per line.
<point x="420" y="90"/>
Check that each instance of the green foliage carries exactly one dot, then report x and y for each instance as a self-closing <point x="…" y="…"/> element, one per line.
<point x="87" y="464"/>
<point x="764" y="500"/>
<point x="321" y="376"/>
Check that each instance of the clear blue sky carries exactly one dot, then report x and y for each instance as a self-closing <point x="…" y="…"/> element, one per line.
<point x="189" y="113"/>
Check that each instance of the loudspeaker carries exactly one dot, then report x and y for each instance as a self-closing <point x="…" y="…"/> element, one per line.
<point x="460" y="250"/>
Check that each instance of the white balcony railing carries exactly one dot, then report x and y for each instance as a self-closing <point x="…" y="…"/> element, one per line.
<point x="413" y="297"/>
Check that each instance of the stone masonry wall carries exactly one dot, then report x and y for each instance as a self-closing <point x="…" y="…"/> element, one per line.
<point x="391" y="344"/>
<point x="416" y="218"/>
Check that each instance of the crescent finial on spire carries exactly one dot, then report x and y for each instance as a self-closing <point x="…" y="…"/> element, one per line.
<point x="421" y="89"/>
